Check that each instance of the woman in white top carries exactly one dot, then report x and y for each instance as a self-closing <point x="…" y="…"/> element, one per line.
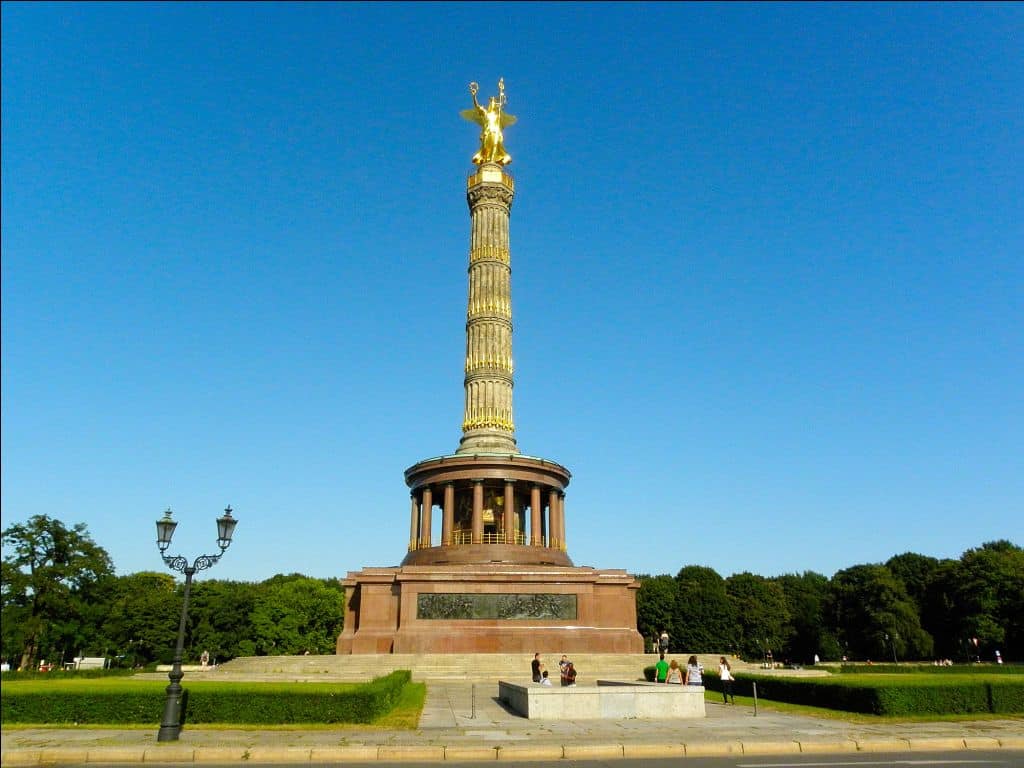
<point x="725" y="675"/>
<point x="693" y="672"/>
<point x="675" y="674"/>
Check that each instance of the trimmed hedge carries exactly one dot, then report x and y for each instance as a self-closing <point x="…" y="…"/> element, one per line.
<point x="969" y="694"/>
<point x="205" y="702"/>
<point x="930" y="669"/>
<point x="64" y="674"/>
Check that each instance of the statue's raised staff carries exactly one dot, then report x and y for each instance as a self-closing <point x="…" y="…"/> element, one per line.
<point x="492" y="119"/>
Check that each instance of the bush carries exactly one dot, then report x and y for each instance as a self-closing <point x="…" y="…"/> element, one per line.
<point x="881" y="696"/>
<point x="141" y="702"/>
<point x="931" y="669"/>
<point x="63" y="674"/>
<point x="649" y="673"/>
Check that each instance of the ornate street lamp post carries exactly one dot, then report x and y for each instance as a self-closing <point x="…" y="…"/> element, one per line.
<point x="170" y="725"/>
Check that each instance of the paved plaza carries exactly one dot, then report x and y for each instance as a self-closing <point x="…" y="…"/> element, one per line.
<point x="463" y="722"/>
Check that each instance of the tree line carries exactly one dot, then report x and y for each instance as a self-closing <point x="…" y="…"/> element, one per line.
<point x="60" y="597"/>
<point x="911" y="607"/>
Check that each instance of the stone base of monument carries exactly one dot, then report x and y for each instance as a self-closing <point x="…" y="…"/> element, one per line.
<point x="492" y="608"/>
<point x="609" y="699"/>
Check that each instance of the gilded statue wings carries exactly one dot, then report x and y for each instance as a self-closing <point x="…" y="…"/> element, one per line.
<point x="475" y="116"/>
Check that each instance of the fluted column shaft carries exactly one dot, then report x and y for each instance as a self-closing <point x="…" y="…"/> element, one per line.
<point x="487" y="424"/>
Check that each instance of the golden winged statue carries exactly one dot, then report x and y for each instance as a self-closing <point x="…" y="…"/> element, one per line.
<point x="492" y="119"/>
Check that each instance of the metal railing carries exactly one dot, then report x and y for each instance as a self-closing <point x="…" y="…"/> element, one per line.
<point x="465" y="536"/>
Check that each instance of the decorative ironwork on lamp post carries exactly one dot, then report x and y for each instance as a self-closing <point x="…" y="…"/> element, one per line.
<point x="170" y="725"/>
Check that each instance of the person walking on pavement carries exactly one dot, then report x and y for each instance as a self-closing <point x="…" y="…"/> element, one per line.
<point x="725" y="675"/>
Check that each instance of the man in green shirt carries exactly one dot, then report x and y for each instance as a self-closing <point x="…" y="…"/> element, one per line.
<point x="661" y="669"/>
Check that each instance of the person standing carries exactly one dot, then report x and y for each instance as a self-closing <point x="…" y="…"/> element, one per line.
<point x="535" y="668"/>
<point x="693" y="672"/>
<point x="204" y="659"/>
<point x="570" y="674"/>
<point x="660" y="669"/>
<point x="562" y="665"/>
<point x="663" y="642"/>
<point x="725" y="675"/>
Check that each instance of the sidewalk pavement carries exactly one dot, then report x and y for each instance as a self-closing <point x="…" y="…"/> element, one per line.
<point x="449" y="730"/>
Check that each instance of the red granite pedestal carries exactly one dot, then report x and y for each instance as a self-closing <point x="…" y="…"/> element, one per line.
<point x="383" y="612"/>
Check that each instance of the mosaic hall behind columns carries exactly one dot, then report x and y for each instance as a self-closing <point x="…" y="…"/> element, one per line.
<point x="499" y="578"/>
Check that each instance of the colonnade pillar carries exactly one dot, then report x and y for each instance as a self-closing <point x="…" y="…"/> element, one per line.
<point x="414" y="521"/>
<point x="425" y="521"/>
<point x="553" y="527"/>
<point x="561" y="522"/>
<point x="478" y="511"/>
<point x="448" y="516"/>
<point x="509" y="523"/>
<point x="536" y="534"/>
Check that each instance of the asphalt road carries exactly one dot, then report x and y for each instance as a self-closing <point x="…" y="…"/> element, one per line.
<point x="958" y="759"/>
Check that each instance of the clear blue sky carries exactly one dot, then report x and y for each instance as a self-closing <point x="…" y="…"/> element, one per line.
<point x="768" y="268"/>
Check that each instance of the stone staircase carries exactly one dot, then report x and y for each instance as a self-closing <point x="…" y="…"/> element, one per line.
<point x="446" y="667"/>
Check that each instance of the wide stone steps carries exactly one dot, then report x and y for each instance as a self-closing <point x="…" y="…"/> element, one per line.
<point x="439" y="667"/>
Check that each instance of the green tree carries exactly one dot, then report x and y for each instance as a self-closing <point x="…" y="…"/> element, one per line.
<point x="50" y="565"/>
<point x="987" y="598"/>
<point x="874" y="615"/>
<point x="220" y="614"/>
<point x="759" y="613"/>
<point x="298" y="614"/>
<point x="704" y="619"/>
<point x="917" y="572"/>
<point x="655" y="604"/>
<point x="807" y="633"/>
<point x="142" y="619"/>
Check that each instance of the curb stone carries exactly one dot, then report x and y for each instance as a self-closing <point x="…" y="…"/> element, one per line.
<point x="350" y="754"/>
<point x="981" y="742"/>
<point x="821" y="747"/>
<point x="591" y="751"/>
<point x="653" y="750"/>
<point x="530" y="752"/>
<point x="403" y="752"/>
<point x="63" y="755"/>
<point x="466" y="753"/>
<point x="1012" y="742"/>
<point x="219" y="754"/>
<point x="883" y="745"/>
<point x="272" y="755"/>
<point x="771" y="747"/>
<point x="169" y="754"/>
<point x="935" y="743"/>
<point x="115" y="755"/>
<point x="20" y="757"/>
<point x="714" y="748"/>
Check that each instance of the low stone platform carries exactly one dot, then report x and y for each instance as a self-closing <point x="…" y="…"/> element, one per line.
<point x="608" y="700"/>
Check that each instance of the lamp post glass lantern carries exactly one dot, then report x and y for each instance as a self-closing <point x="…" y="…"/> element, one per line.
<point x="170" y="725"/>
